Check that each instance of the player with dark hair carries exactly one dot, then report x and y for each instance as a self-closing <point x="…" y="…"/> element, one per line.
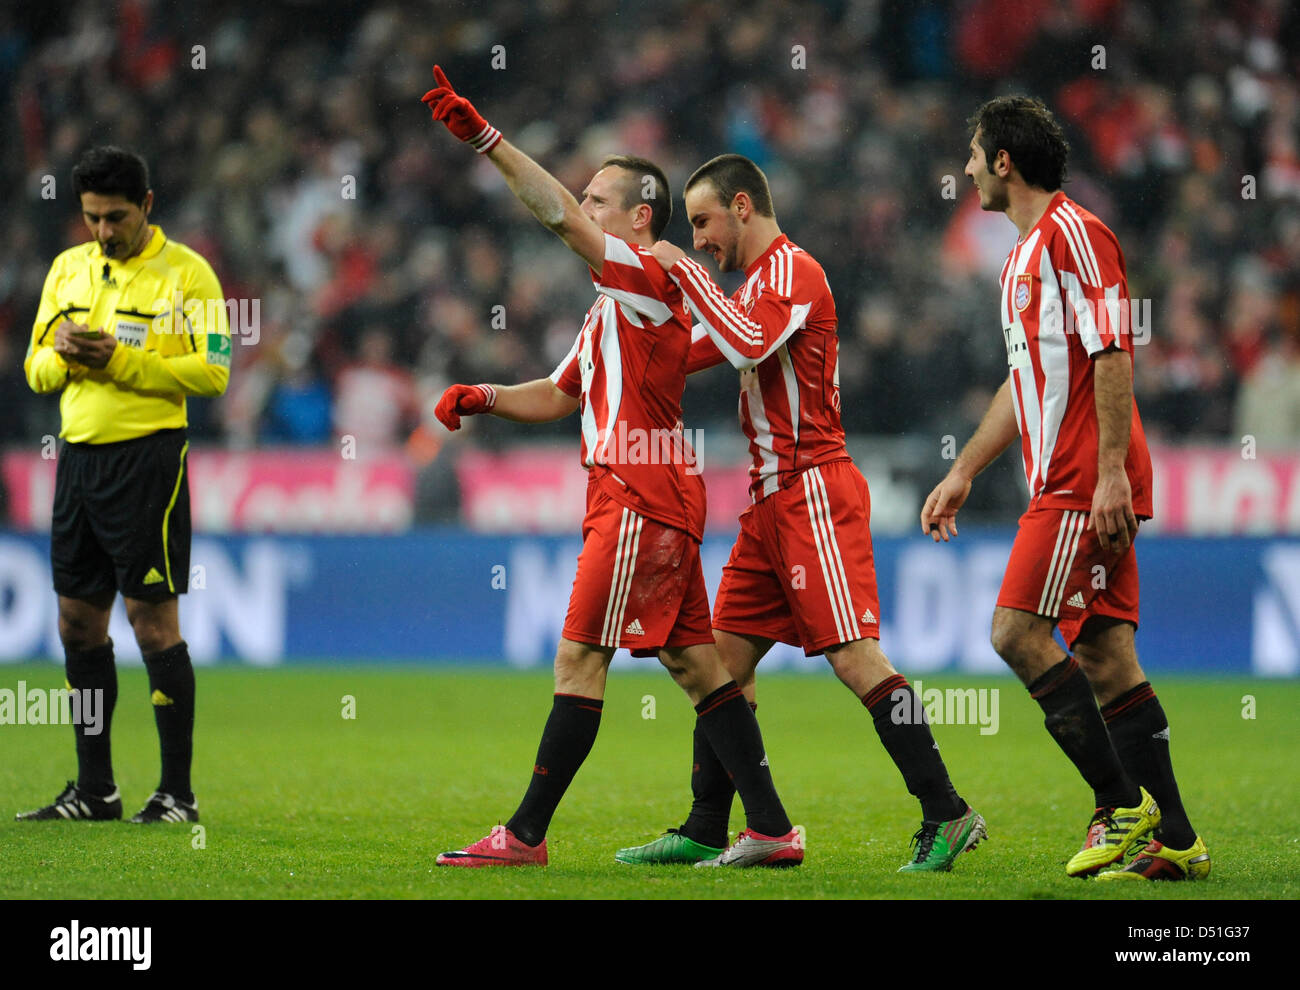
<point x="121" y="519"/>
<point x="1069" y="397"/>
<point x="639" y="582"/>
<point x="801" y="570"/>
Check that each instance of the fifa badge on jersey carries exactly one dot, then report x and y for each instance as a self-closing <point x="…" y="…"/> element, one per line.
<point x="1023" y="291"/>
<point x="131" y="333"/>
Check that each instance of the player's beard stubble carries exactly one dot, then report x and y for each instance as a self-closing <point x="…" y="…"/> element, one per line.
<point x="993" y="196"/>
<point x="730" y="252"/>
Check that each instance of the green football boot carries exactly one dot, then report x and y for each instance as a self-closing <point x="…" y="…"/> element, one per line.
<point x="937" y="844"/>
<point x="671" y="847"/>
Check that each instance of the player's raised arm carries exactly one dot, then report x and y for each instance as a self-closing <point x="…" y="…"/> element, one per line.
<point x="996" y="432"/>
<point x="535" y="187"/>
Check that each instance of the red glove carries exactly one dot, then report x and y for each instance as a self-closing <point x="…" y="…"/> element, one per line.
<point x="459" y="115"/>
<point x="464" y="400"/>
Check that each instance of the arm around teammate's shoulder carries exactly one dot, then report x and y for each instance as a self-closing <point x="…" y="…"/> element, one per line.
<point x="745" y="339"/>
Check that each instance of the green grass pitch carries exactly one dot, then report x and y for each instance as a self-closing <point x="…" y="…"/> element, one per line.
<point x="299" y="802"/>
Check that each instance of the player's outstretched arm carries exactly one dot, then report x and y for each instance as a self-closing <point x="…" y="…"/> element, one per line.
<point x="1112" y="501"/>
<point x="533" y="402"/>
<point x="532" y="185"/>
<point x="996" y="432"/>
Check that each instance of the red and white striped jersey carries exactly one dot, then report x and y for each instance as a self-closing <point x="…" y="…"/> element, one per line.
<point x="779" y="330"/>
<point x="627" y="368"/>
<point x="1064" y="301"/>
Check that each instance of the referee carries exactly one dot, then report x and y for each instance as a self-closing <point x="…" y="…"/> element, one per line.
<point x="129" y="324"/>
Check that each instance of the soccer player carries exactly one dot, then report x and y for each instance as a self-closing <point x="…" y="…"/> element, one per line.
<point x="801" y="570"/>
<point x="1069" y="396"/>
<point x="639" y="582"/>
<point x="121" y="519"/>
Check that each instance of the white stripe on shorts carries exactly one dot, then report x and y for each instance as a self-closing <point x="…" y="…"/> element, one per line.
<point x="629" y="539"/>
<point x="1067" y="545"/>
<point x="828" y="551"/>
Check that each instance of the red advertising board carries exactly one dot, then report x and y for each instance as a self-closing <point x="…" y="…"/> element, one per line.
<point x="1199" y="491"/>
<point x="263" y="491"/>
<point x="1216" y="491"/>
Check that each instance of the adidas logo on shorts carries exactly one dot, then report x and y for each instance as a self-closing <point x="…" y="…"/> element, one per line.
<point x="1076" y="600"/>
<point x="868" y="616"/>
<point x="634" y="628"/>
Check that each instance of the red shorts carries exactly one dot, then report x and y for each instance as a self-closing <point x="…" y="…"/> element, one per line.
<point x="801" y="571"/>
<point x="1059" y="570"/>
<point x="639" y="583"/>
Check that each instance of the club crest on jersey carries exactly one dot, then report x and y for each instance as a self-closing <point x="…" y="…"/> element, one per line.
<point x="1023" y="291"/>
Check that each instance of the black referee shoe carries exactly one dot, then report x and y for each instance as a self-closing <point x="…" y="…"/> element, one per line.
<point x="163" y="807"/>
<point x="75" y="804"/>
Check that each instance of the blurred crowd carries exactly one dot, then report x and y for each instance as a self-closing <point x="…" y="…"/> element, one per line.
<point x="287" y="144"/>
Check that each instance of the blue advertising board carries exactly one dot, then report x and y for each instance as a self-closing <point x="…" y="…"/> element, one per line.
<point x="1229" y="605"/>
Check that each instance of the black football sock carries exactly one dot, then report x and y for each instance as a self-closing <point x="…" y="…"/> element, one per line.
<point x="732" y="731"/>
<point x="1075" y="723"/>
<point x="713" y="792"/>
<point x="94" y="670"/>
<point x="911" y="745"/>
<point x="567" y="739"/>
<point x="1138" y="728"/>
<point x="171" y="689"/>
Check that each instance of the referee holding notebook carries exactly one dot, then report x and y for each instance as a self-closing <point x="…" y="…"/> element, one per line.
<point x="130" y="323"/>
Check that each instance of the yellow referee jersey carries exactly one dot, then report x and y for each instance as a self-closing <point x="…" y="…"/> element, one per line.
<point x="165" y="307"/>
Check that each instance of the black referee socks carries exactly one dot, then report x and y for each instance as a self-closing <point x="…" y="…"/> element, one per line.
<point x="94" y="670"/>
<point x="171" y="689"/>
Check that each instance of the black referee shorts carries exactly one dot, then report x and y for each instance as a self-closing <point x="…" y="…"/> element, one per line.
<point x="122" y="518"/>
